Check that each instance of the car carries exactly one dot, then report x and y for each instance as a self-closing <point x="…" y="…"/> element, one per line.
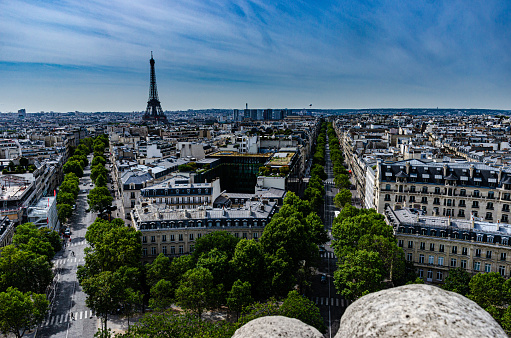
<point x="323" y="279"/>
<point x="67" y="233"/>
<point x="322" y="249"/>
<point x="91" y="184"/>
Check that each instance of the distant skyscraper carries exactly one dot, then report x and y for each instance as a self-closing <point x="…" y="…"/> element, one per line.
<point x="153" y="111"/>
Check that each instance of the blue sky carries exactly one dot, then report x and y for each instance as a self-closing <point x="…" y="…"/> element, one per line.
<point x="94" y="55"/>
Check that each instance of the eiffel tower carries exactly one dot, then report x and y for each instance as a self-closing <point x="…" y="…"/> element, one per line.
<point x="153" y="112"/>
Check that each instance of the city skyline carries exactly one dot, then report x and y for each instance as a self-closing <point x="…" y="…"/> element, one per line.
<point x="94" y="56"/>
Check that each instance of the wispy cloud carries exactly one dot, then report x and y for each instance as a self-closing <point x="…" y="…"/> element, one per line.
<point x="341" y="53"/>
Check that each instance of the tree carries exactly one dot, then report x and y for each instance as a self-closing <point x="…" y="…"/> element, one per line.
<point x="100" y="181"/>
<point x="97" y="171"/>
<point x="360" y="273"/>
<point x="159" y="269"/>
<point x="221" y="240"/>
<point x="66" y="198"/>
<point x="162" y="295"/>
<point x="74" y="167"/>
<point x="486" y="289"/>
<point x="299" y="307"/>
<point x="20" y="312"/>
<point x="342" y="181"/>
<point x="248" y="264"/>
<point x="196" y="291"/>
<point x="51" y="237"/>
<point x="239" y="297"/>
<point x="98" y="160"/>
<point x="25" y="270"/>
<point x="105" y="293"/>
<point x="64" y="212"/>
<point x="391" y="255"/>
<point x="342" y="198"/>
<point x="318" y="170"/>
<point x="457" y="281"/>
<point x="99" y="199"/>
<point x="217" y="262"/>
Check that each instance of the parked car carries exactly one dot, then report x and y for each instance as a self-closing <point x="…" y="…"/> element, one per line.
<point x="91" y="184"/>
<point x="67" y="233"/>
<point x="323" y="279"/>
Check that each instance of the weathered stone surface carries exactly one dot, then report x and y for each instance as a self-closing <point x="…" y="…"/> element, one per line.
<point x="417" y="311"/>
<point x="276" y="326"/>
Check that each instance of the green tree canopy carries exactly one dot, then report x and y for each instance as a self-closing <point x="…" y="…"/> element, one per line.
<point x="99" y="199"/>
<point x="249" y="265"/>
<point x="66" y="198"/>
<point x="360" y="273"/>
<point x="487" y="289"/>
<point x="196" y="291"/>
<point x="25" y="270"/>
<point x="457" y="281"/>
<point x="299" y="307"/>
<point x="239" y="297"/>
<point x="221" y="240"/>
<point x="64" y="212"/>
<point x="100" y="181"/>
<point x="21" y="312"/>
<point x="162" y="295"/>
<point x="342" y="198"/>
<point x="96" y="171"/>
<point x="74" y="167"/>
<point x="98" y="160"/>
<point x="158" y="269"/>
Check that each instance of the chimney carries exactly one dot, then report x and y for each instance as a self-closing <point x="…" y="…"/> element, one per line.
<point x="499" y="176"/>
<point x="445" y="170"/>
<point x="408" y="168"/>
<point x="471" y="171"/>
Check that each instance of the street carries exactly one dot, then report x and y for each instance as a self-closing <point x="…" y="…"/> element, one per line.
<point x="69" y="316"/>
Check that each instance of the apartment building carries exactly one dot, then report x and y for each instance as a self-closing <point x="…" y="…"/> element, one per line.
<point x="173" y="232"/>
<point x="438" y="244"/>
<point x="457" y="190"/>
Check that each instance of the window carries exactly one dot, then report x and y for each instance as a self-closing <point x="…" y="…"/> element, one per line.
<point x="387" y="197"/>
<point x="180" y="237"/>
<point x="181" y="250"/>
<point x="409" y="257"/>
<point x="475" y="204"/>
<point x="191" y="237"/>
<point x="425" y="190"/>
<point x="502" y="256"/>
<point x="255" y="235"/>
<point x="424" y="200"/>
<point x="431" y="260"/>
<point x="410" y="244"/>
<point x="412" y="199"/>
<point x="488" y="254"/>
<point x="464" y="251"/>
<point x="476" y="193"/>
<point x="505" y="207"/>
<point x="506" y="197"/>
<point x="144" y="239"/>
<point x="436" y="201"/>
<point x="439" y="275"/>
<point x="441" y="248"/>
<point x="463" y="264"/>
<point x="153" y="239"/>
<point x="463" y="192"/>
<point x="441" y="261"/>
<point x="461" y="213"/>
<point x="400" y="243"/>
<point x="430" y="274"/>
<point x="502" y="270"/>
<point x="491" y="194"/>
<point x="489" y="215"/>
<point x="453" y="262"/>
<point x="144" y="251"/>
<point x="172" y="250"/>
<point x="437" y="190"/>
<point x="153" y="251"/>
<point x="462" y="204"/>
<point x="478" y="252"/>
<point x="431" y="246"/>
<point x="454" y="249"/>
<point x="387" y="187"/>
<point x="163" y="238"/>
<point x="412" y="188"/>
<point x="487" y="267"/>
<point x="477" y="266"/>
<point x="505" y="219"/>
<point x="421" y="273"/>
<point x="423" y="246"/>
<point x="421" y="259"/>
<point x="172" y="238"/>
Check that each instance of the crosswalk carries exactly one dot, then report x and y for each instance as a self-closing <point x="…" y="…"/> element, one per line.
<point x="64" y="261"/>
<point x="326" y="301"/>
<point x="327" y="254"/>
<point x="70" y="316"/>
<point x="73" y="244"/>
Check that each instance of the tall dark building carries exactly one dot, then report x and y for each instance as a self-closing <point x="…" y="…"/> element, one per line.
<point x="153" y="111"/>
